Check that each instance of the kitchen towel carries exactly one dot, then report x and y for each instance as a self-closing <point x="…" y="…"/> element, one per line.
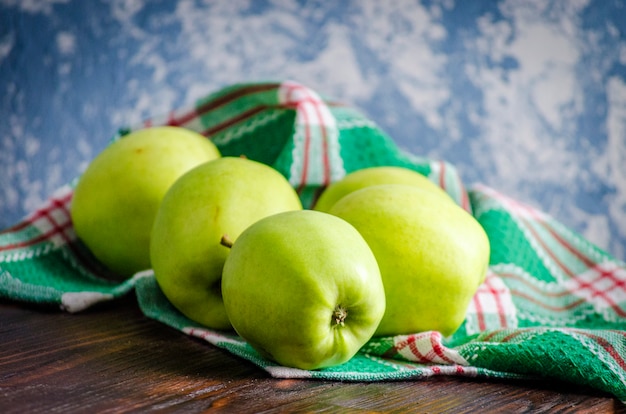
<point x="553" y="305"/>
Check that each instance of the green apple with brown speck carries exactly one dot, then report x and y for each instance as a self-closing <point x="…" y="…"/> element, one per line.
<point x="375" y="176"/>
<point x="223" y="196"/>
<point x="432" y="254"/>
<point x="117" y="197"/>
<point x="304" y="289"/>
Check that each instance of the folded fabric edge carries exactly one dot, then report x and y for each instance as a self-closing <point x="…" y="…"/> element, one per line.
<point x="377" y="368"/>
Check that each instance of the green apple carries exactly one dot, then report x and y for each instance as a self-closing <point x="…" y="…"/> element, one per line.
<point x="117" y="197"/>
<point x="304" y="289"/>
<point x="432" y="254"/>
<point x="375" y="176"/>
<point x="223" y="196"/>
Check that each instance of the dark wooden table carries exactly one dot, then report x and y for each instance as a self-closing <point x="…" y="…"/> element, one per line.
<point x="114" y="359"/>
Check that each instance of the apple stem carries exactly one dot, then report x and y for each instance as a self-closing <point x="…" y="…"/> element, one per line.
<point x="339" y="315"/>
<point x="226" y="241"/>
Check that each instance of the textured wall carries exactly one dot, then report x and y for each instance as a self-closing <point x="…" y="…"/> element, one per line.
<point x="526" y="96"/>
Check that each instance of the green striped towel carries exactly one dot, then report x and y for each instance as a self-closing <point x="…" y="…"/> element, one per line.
<point x="553" y="305"/>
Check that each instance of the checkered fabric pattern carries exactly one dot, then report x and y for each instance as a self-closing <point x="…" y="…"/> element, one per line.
<point x="552" y="305"/>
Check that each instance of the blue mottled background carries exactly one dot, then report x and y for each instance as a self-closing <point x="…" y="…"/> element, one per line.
<point x="528" y="97"/>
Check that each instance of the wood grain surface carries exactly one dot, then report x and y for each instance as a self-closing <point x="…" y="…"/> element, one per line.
<point x="113" y="359"/>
